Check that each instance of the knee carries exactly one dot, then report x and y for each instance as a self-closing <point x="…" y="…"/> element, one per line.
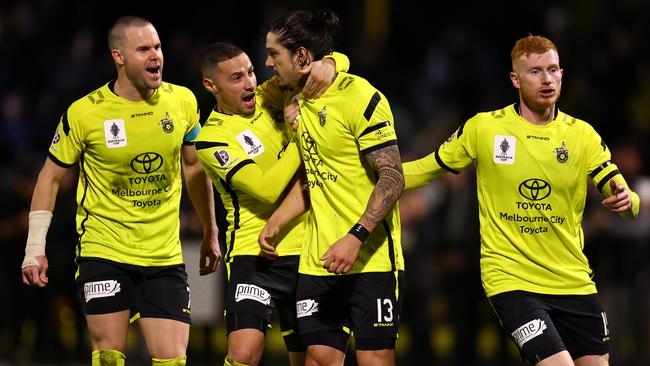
<point x="243" y="356"/>
<point x="108" y="357"/>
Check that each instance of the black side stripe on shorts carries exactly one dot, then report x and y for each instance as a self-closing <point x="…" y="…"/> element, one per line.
<point x="236" y="213"/>
<point x="600" y="169"/>
<point x="377" y="147"/>
<point x="236" y="168"/>
<point x="606" y="179"/>
<point x="370" y="109"/>
<point x="374" y="128"/>
<point x="200" y="145"/>
<point x="443" y="165"/>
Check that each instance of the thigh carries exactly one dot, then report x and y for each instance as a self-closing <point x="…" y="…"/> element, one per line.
<point x="108" y="331"/>
<point x="582" y="324"/>
<point x="248" y="301"/>
<point x="322" y="304"/>
<point x="165" y="338"/>
<point x="375" y="309"/>
<point x="164" y="293"/>
<point x="527" y="321"/>
<point x="105" y="287"/>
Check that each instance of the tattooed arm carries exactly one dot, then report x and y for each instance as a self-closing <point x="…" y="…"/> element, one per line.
<point x="340" y="257"/>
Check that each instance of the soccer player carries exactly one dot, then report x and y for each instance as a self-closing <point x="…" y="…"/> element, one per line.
<point x="532" y="161"/>
<point x="130" y="138"/>
<point x="351" y="264"/>
<point x="247" y="150"/>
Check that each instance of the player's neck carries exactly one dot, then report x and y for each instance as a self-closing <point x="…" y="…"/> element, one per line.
<point x="540" y="118"/>
<point x="125" y="89"/>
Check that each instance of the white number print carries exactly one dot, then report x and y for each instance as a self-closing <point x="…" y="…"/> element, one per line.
<point x="388" y="315"/>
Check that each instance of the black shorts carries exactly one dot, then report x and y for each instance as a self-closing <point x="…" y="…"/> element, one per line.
<point x="543" y="325"/>
<point x="368" y="304"/>
<point x="104" y="286"/>
<point x="256" y="285"/>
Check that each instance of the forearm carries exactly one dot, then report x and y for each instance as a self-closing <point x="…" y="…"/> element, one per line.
<point x="388" y="189"/>
<point x="294" y="204"/>
<point x="418" y="173"/>
<point x="268" y="185"/>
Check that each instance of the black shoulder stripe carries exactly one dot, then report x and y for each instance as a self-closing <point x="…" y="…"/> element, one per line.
<point x="66" y="124"/>
<point x="606" y="179"/>
<point x="600" y="169"/>
<point x="200" y="145"/>
<point x="236" y="168"/>
<point x="460" y="130"/>
<point x="443" y="165"/>
<point x="370" y="109"/>
<point x="374" y="128"/>
<point x="377" y="147"/>
<point x="57" y="161"/>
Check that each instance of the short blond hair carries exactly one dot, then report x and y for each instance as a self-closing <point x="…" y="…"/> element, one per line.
<point x="531" y="44"/>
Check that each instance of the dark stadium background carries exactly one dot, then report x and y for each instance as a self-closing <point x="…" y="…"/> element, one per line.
<point x="438" y="64"/>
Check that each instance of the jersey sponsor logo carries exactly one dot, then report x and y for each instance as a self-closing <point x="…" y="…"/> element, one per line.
<point x="561" y="153"/>
<point x="306" y="308"/>
<point x="115" y="133"/>
<point x="250" y="143"/>
<point x="528" y="331"/>
<point x="322" y="116"/>
<point x="97" y="289"/>
<point x="167" y="124"/>
<point x="504" y="149"/>
<point x="534" y="189"/>
<point x="245" y="291"/>
<point x="143" y="114"/>
<point x="146" y="163"/>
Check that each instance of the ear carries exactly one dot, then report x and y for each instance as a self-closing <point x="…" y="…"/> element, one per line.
<point x="118" y="58"/>
<point x="209" y="85"/>
<point x="303" y="57"/>
<point x="514" y="78"/>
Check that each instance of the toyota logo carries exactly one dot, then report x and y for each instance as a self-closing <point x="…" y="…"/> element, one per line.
<point x="535" y="189"/>
<point x="146" y="163"/>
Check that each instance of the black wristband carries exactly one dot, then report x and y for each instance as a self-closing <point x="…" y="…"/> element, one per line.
<point x="360" y="232"/>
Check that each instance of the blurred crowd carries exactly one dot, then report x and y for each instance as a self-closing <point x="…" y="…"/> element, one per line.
<point x="437" y="70"/>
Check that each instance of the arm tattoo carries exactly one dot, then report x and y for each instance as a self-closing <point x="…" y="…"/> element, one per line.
<point x="387" y="162"/>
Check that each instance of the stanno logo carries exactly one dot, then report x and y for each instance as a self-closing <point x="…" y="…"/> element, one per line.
<point x="135" y="115"/>
<point x="534" y="189"/>
<point x="246" y="291"/>
<point x="146" y="163"/>
<point x="528" y="331"/>
<point x="99" y="289"/>
<point x="306" y="308"/>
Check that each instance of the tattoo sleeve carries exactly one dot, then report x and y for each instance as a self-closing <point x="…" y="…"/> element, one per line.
<point x="390" y="184"/>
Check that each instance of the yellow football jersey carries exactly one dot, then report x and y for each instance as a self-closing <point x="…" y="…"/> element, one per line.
<point x="129" y="156"/>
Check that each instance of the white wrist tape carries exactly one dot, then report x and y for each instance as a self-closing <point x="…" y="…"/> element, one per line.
<point x="39" y="223"/>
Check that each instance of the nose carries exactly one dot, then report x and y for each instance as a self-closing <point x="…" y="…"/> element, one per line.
<point x="251" y="82"/>
<point x="546" y="78"/>
<point x="269" y="62"/>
